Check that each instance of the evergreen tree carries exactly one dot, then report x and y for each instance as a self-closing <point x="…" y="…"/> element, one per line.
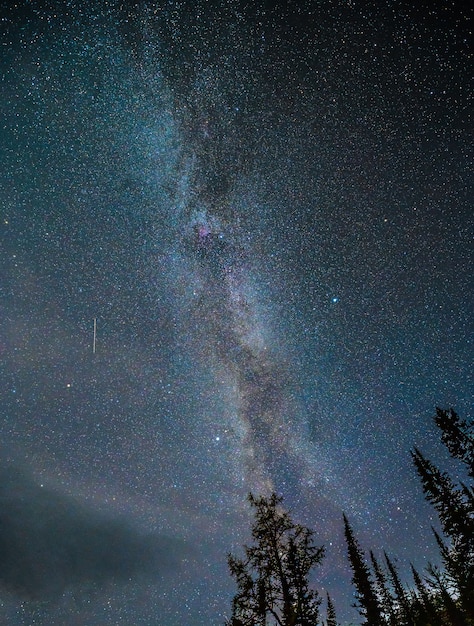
<point x="424" y="604"/>
<point x="331" y="619"/>
<point x="273" y="578"/>
<point x="440" y="490"/>
<point x="386" y="601"/>
<point x="456" y="513"/>
<point x="404" y="608"/>
<point x="367" y="602"/>
<point x="450" y="612"/>
<point x="458" y="436"/>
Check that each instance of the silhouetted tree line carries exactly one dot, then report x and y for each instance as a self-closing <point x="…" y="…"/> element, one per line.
<point x="273" y="577"/>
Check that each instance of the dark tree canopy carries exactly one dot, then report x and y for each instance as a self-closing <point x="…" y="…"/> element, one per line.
<point x="457" y="436"/>
<point x="455" y="507"/>
<point x="367" y="602"/>
<point x="331" y="619"/>
<point x="273" y="578"/>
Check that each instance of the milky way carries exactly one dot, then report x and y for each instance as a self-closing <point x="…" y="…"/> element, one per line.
<point x="234" y="340"/>
<point x="267" y="212"/>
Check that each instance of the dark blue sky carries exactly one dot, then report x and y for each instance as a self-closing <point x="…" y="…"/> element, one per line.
<point x="268" y="211"/>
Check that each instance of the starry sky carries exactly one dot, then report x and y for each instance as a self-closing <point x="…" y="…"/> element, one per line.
<point x="266" y="207"/>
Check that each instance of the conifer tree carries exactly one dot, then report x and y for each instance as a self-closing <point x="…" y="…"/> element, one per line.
<point x="455" y="508"/>
<point x="367" y="603"/>
<point x="273" y="578"/>
<point x="404" y="608"/>
<point x="331" y="619"/>
<point x="423" y="604"/>
<point x="458" y="436"/>
<point x="386" y="601"/>
<point x="456" y="514"/>
<point x="449" y="609"/>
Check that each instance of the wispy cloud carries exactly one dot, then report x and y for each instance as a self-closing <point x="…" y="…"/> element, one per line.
<point x="50" y="541"/>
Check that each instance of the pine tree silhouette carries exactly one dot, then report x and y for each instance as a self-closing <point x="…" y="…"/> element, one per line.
<point x="331" y="619"/>
<point x="273" y="578"/>
<point x="386" y="601"/>
<point x="404" y="609"/>
<point x="456" y="513"/>
<point x="458" y="436"/>
<point x="367" y="602"/>
<point x="424" y="604"/>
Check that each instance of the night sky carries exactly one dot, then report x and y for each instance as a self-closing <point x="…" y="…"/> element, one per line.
<point x="267" y="209"/>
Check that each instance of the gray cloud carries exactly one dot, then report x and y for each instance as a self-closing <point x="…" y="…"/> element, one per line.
<point x="49" y="541"/>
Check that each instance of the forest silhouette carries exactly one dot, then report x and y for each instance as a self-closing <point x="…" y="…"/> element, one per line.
<point x="273" y="577"/>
